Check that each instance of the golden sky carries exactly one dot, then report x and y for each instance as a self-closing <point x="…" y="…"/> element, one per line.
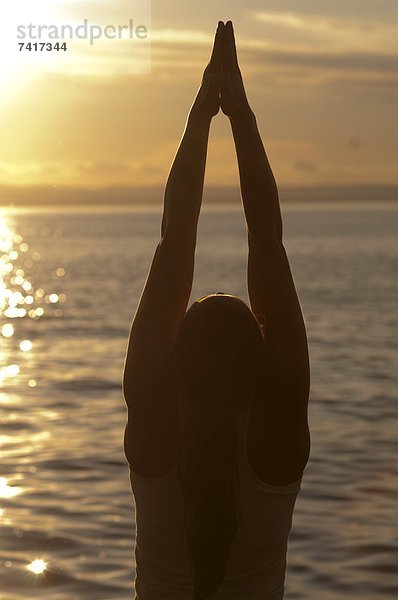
<point x="321" y="77"/>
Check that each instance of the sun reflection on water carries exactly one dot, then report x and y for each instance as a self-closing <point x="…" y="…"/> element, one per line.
<point x="8" y="491"/>
<point x="20" y="299"/>
<point x="26" y="345"/>
<point x="7" y="330"/>
<point x="8" y="371"/>
<point x="22" y="302"/>
<point x="37" y="567"/>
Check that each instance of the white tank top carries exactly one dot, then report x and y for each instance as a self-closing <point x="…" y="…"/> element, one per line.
<point x="257" y="563"/>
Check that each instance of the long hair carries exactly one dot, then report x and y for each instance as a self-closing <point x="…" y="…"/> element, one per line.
<point x="218" y="362"/>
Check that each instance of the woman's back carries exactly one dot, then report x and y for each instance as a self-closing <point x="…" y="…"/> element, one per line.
<point x="257" y="562"/>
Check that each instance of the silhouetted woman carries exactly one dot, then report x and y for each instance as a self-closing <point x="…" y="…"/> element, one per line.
<point x="217" y="436"/>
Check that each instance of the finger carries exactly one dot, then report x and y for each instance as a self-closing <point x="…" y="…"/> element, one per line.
<point x="216" y="55"/>
<point x="226" y="51"/>
<point x="229" y="60"/>
<point x="230" y="35"/>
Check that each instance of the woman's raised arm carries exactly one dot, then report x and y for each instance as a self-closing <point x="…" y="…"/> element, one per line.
<point x="168" y="286"/>
<point x="271" y="288"/>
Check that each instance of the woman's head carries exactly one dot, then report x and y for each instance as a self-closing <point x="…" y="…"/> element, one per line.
<point x="218" y="362"/>
<point x="219" y="347"/>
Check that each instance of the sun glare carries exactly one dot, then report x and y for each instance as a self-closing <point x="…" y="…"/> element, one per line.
<point x="18" y="67"/>
<point x="35" y="39"/>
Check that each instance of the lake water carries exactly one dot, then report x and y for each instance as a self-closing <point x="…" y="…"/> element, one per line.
<point x="69" y="288"/>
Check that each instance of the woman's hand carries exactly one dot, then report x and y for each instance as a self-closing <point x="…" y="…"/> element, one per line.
<point x="233" y="99"/>
<point x="207" y="101"/>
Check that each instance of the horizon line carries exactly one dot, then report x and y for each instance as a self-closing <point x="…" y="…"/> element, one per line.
<point x="42" y="194"/>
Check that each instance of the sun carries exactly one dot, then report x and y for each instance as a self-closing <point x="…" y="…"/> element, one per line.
<point x="19" y="66"/>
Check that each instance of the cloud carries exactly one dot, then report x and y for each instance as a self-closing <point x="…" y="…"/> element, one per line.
<point x="339" y="32"/>
<point x="324" y="44"/>
<point x="336" y="43"/>
<point x="316" y="49"/>
<point x="381" y="11"/>
<point x="102" y="167"/>
<point x="342" y="61"/>
<point x="28" y="169"/>
<point x="306" y="165"/>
